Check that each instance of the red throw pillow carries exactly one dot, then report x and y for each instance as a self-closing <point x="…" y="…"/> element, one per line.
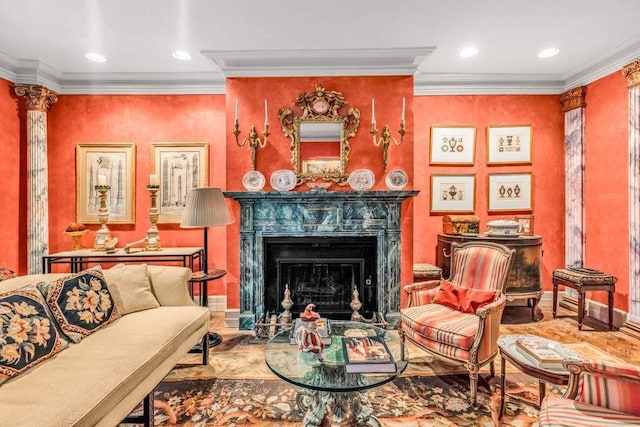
<point x="463" y="299"/>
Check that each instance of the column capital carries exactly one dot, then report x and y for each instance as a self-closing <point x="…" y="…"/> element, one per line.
<point x="632" y="73"/>
<point x="574" y="98"/>
<point x="38" y="97"/>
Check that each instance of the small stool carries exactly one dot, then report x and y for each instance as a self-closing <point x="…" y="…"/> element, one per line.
<point x="423" y="272"/>
<point x="583" y="282"/>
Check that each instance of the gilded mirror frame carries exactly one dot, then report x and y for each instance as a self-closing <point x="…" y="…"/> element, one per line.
<point x="320" y="106"/>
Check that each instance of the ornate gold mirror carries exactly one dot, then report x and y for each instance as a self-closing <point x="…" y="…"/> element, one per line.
<point x="320" y="135"/>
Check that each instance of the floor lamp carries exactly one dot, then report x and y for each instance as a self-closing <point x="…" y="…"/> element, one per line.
<point x="205" y="207"/>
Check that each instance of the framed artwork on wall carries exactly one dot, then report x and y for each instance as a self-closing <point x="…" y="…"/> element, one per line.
<point x="510" y="192"/>
<point x="318" y="166"/>
<point x="526" y="224"/>
<point x="452" y="145"/>
<point x="180" y="166"/>
<point x="112" y="164"/>
<point x="509" y="145"/>
<point x="453" y="193"/>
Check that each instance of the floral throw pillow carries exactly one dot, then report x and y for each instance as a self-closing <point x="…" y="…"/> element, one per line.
<point x="28" y="334"/>
<point x="80" y="303"/>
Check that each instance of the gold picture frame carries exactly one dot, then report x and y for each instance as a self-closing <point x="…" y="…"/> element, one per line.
<point x="453" y="194"/>
<point x="116" y="162"/>
<point x="180" y="166"/>
<point x="526" y="224"/>
<point x="509" y="145"/>
<point x="452" y="145"/>
<point x="510" y="192"/>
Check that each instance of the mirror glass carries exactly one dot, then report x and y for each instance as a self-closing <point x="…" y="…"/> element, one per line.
<point x="319" y="134"/>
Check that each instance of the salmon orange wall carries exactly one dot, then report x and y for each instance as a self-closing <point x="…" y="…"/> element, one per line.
<point x="142" y="120"/>
<point x="13" y="229"/>
<point x="543" y="113"/>
<point x="607" y="182"/>
<point x="280" y="92"/>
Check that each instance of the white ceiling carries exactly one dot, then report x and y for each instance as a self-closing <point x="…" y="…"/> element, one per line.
<point x="44" y="42"/>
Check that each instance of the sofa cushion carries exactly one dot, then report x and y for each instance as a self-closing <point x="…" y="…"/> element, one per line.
<point x="28" y="334"/>
<point x="559" y="411"/>
<point x="81" y="303"/>
<point x="130" y="287"/>
<point x="467" y="300"/>
<point x="112" y="368"/>
<point x="164" y="280"/>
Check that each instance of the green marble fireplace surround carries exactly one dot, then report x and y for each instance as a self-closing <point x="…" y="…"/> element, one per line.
<point x="317" y="214"/>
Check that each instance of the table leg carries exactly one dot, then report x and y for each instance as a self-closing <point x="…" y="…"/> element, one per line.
<point x="611" y="308"/>
<point x="535" y="314"/>
<point x="555" y="298"/>
<point x="580" y="309"/>
<point x="542" y="391"/>
<point x="502" y="385"/>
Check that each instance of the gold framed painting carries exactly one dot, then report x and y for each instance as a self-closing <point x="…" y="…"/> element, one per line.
<point x="510" y="192"/>
<point x="111" y="163"/>
<point x="452" y="145"/>
<point x="509" y="145"/>
<point x="321" y="165"/>
<point x="526" y="224"/>
<point x="453" y="194"/>
<point x="180" y="166"/>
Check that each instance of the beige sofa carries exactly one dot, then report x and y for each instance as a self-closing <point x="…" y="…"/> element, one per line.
<point x="101" y="379"/>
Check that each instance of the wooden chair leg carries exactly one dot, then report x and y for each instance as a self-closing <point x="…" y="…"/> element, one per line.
<point x="492" y="369"/>
<point x="473" y="379"/>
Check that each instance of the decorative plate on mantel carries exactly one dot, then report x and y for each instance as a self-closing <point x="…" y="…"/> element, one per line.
<point x="396" y="179"/>
<point x="253" y="181"/>
<point x="283" y="180"/>
<point x="361" y="179"/>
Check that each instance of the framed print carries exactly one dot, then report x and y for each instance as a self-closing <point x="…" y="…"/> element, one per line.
<point x="113" y="163"/>
<point x="510" y="192"/>
<point x="180" y="166"/>
<point x="452" y="145"/>
<point x="453" y="193"/>
<point x="509" y="145"/>
<point x="526" y="224"/>
<point x="318" y="166"/>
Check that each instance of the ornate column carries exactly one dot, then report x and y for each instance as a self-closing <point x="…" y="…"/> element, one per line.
<point x="39" y="99"/>
<point x="632" y="73"/>
<point x="573" y="103"/>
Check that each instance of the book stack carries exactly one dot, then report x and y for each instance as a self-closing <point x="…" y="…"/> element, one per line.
<point x="540" y="353"/>
<point x="367" y="355"/>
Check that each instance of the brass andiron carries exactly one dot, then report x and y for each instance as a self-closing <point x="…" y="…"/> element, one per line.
<point x="102" y="235"/>
<point x="386" y="138"/>
<point x="287" y="303"/>
<point x="152" y="242"/>
<point x="253" y="139"/>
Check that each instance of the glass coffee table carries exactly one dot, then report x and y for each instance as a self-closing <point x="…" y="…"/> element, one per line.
<point x="328" y="390"/>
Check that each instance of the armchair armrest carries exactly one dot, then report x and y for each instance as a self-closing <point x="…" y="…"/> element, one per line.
<point x="485" y="345"/>
<point x="421" y="293"/>
<point x="604" y="383"/>
<point x="494" y="307"/>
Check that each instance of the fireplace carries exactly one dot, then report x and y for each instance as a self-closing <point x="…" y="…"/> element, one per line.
<point x="323" y="271"/>
<point x="314" y="241"/>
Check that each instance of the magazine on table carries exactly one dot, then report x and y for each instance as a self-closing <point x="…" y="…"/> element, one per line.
<point x="540" y="352"/>
<point x="367" y="354"/>
<point x="323" y="328"/>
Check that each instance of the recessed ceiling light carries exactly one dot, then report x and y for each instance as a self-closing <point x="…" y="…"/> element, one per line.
<point x="548" y="53"/>
<point x="95" y="57"/>
<point x="181" y="55"/>
<point x="468" y="52"/>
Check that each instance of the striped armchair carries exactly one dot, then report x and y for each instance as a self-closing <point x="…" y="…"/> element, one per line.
<point x="599" y="394"/>
<point x="461" y="332"/>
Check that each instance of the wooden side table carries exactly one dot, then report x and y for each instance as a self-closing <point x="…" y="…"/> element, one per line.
<point x="584" y="282"/>
<point x="213" y="338"/>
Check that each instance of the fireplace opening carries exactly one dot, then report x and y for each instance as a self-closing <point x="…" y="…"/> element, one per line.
<point x="323" y="271"/>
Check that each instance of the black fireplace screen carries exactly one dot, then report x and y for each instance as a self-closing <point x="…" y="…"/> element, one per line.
<point x="323" y="272"/>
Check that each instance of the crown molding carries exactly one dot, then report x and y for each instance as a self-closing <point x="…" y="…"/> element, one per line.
<point x="609" y="63"/>
<point x="487" y="84"/>
<point x="318" y="62"/>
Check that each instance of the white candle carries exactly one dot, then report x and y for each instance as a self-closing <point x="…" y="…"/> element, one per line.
<point x="373" y="110"/>
<point x="102" y="180"/>
<point x="266" y="117"/>
<point x="154" y="180"/>
<point x="236" y="117"/>
<point x="402" y="120"/>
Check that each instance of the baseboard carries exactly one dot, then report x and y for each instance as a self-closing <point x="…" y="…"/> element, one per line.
<point x="232" y="318"/>
<point x="216" y="302"/>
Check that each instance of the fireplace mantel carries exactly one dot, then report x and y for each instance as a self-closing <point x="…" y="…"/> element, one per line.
<point x="318" y="214"/>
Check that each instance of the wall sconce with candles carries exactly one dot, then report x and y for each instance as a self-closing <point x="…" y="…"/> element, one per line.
<point x="253" y="139"/>
<point x="386" y="138"/>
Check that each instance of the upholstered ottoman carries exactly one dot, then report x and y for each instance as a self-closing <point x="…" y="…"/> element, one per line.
<point x="423" y="272"/>
<point x="583" y="282"/>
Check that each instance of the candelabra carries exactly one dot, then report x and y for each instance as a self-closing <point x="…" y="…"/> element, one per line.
<point x="152" y="242"/>
<point x="102" y="235"/>
<point x="254" y="140"/>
